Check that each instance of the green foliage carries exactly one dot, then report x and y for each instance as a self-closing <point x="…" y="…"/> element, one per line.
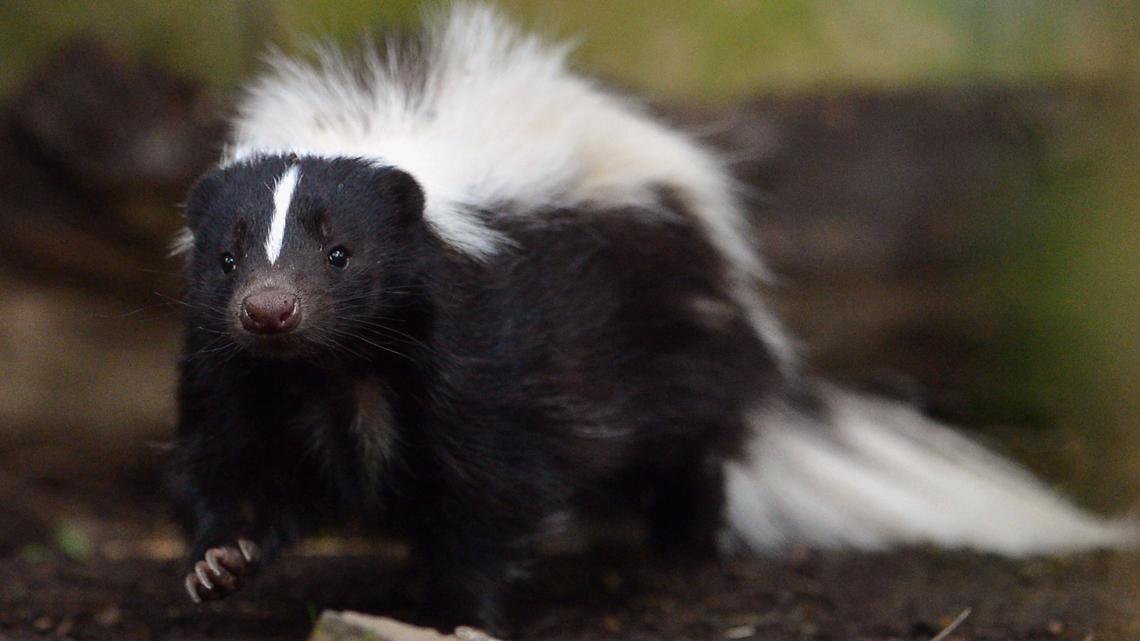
<point x="74" y="541"/>
<point x="314" y="612"/>
<point x="677" y="48"/>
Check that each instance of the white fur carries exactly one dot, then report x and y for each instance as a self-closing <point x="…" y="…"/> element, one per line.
<point x="876" y="473"/>
<point x="282" y="199"/>
<point x="182" y="243"/>
<point x="500" y="120"/>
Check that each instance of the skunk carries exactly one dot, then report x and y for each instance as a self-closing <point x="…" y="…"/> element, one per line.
<point x="451" y="287"/>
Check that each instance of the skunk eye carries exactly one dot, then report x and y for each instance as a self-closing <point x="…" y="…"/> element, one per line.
<point x="229" y="263"/>
<point x="338" y="257"/>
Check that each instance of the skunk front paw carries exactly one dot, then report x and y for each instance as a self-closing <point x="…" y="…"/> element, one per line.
<point x="222" y="570"/>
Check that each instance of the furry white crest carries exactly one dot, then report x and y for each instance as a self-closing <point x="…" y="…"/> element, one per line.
<point x="483" y="115"/>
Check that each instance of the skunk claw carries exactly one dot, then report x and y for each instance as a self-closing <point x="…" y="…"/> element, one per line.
<point x="222" y="571"/>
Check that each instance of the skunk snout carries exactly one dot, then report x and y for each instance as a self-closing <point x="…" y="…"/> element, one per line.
<point x="270" y="312"/>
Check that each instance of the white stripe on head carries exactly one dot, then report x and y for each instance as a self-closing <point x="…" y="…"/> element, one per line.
<point x="282" y="197"/>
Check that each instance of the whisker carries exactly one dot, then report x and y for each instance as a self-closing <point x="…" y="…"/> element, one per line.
<point x="387" y="331"/>
<point x="355" y="336"/>
<point x="163" y="309"/>
<point x="171" y="299"/>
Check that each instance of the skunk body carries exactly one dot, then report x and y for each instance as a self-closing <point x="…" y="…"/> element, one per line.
<point x="452" y="288"/>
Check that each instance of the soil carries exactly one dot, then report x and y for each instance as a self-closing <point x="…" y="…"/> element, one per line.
<point x="94" y="556"/>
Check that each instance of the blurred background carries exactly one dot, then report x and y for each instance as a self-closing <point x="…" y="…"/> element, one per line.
<point x="948" y="193"/>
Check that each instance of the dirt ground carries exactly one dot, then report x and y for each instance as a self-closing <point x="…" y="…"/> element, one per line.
<point x="94" y="556"/>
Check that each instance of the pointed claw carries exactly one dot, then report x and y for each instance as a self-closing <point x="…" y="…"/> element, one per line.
<point x="212" y="561"/>
<point x="200" y="571"/>
<point x="249" y="550"/>
<point x="191" y="589"/>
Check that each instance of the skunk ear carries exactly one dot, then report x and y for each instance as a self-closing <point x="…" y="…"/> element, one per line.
<point x="397" y="189"/>
<point x="201" y="196"/>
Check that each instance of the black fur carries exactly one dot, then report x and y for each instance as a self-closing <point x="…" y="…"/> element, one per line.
<point x="597" y="355"/>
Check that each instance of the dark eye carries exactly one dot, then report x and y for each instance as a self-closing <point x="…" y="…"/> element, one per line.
<point x="229" y="263"/>
<point x="338" y="257"/>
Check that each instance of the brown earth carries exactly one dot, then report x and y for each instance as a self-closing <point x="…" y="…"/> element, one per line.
<point x="92" y="558"/>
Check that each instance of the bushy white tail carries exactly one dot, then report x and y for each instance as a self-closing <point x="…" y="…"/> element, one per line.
<point x="874" y="473"/>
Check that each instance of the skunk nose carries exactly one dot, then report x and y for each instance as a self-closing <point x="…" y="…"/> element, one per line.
<point x="270" y="312"/>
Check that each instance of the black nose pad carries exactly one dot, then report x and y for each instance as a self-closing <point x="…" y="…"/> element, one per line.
<point x="270" y="312"/>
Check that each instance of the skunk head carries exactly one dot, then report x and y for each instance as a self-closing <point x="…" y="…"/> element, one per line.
<point x="302" y="257"/>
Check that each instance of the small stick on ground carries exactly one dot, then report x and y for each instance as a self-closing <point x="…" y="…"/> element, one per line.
<point x="953" y="625"/>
